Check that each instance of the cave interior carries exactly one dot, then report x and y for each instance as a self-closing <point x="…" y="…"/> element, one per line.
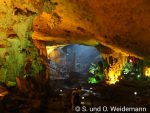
<point x="59" y="54"/>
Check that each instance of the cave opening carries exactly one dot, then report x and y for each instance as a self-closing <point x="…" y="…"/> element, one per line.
<point x="108" y="66"/>
<point x="71" y="63"/>
<point x="75" y="64"/>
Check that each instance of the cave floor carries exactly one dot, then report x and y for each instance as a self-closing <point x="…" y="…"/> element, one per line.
<point x="124" y="93"/>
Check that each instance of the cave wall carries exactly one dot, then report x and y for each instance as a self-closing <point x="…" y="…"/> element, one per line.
<point x="16" y="45"/>
<point x="119" y="24"/>
<point x="122" y="25"/>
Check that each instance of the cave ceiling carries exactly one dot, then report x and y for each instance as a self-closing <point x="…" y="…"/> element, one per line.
<point x="123" y="25"/>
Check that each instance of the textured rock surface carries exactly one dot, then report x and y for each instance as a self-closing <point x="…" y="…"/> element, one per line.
<point x="122" y="25"/>
<point x="15" y="38"/>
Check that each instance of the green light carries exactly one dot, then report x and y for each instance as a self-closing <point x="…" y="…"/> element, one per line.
<point x="97" y="74"/>
<point x="92" y="80"/>
<point x="127" y="68"/>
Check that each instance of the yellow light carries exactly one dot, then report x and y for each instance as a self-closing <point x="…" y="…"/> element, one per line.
<point x="114" y="72"/>
<point x="147" y="71"/>
<point x="113" y="77"/>
<point x="51" y="48"/>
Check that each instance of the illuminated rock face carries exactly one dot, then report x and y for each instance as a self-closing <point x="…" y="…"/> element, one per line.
<point x="15" y="39"/>
<point x="115" y="62"/>
<point x="147" y="71"/>
<point x="122" y="25"/>
<point x="115" y="70"/>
